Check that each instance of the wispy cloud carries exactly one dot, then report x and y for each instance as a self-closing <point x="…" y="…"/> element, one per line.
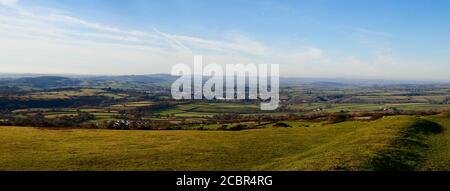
<point x="63" y="34"/>
<point x="371" y="32"/>
<point x="64" y="24"/>
<point x="8" y="2"/>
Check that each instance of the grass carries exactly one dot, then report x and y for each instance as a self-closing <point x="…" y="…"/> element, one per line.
<point x="438" y="154"/>
<point x="64" y="94"/>
<point x="359" y="107"/>
<point x="351" y="145"/>
<point x="408" y="150"/>
<point x="208" y="109"/>
<point x="135" y="104"/>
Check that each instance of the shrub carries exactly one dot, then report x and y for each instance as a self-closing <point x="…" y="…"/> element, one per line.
<point x="338" y="118"/>
<point x="223" y="127"/>
<point x="238" y="127"/>
<point x="376" y="116"/>
<point x="281" y="124"/>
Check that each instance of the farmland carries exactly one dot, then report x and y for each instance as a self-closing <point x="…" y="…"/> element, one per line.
<point x="126" y="124"/>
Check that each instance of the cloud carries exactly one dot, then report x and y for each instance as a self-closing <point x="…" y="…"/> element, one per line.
<point x="305" y="56"/>
<point x="52" y="40"/>
<point x="235" y="43"/>
<point x="64" y="26"/>
<point x="8" y="2"/>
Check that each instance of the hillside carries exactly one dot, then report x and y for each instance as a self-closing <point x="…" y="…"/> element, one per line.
<point x="411" y="143"/>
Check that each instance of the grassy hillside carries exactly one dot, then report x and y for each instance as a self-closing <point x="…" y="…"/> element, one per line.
<point x="438" y="154"/>
<point x="402" y="140"/>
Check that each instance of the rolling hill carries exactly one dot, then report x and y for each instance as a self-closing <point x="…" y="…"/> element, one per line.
<point x="391" y="143"/>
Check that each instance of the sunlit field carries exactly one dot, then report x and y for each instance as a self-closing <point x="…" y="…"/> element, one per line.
<point x="390" y="143"/>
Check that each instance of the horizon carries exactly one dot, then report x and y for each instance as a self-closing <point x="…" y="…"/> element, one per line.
<point x="348" y="80"/>
<point x="401" y="40"/>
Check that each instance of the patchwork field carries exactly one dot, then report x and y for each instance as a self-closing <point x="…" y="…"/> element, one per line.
<point x="132" y="123"/>
<point x="390" y="143"/>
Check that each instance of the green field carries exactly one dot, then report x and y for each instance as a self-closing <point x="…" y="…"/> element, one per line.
<point x="361" y="107"/>
<point x="411" y="143"/>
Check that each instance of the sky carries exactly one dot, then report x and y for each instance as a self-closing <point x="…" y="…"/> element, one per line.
<point x="386" y="39"/>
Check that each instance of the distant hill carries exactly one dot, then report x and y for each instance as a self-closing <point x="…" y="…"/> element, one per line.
<point x="44" y="82"/>
<point x="152" y="79"/>
<point x="53" y="82"/>
<point x="35" y="81"/>
<point x="331" y="84"/>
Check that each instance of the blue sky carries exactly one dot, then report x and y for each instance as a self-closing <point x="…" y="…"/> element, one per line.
<point x="390" y="39"/>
